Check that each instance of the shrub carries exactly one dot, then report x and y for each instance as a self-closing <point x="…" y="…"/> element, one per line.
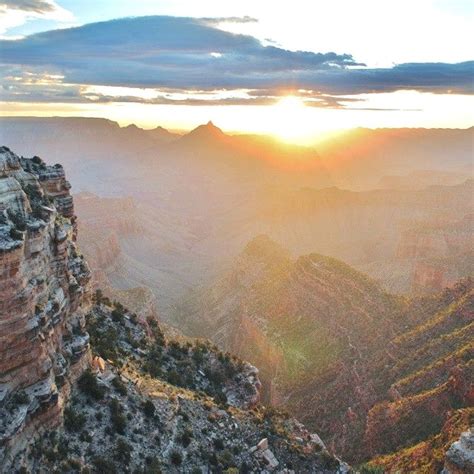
<point x="244" y="468"/>
<point x="149" y="409"/>
<point x="88" y="384"/>
<point x="117" y="315"/>
<point x="226" y="459"/>
<point x="85" y="436"/>
<point x="153" y="466"/>
<point x="220" y="398"/>
<point x="218" y="443"/>
<point x="186" y="437"/>
<point x="20" y="398"/>
<point x="75" y="465"/>
<point x="98" y="295"/>
<point x="119" y="386"/>
<point x="176" y="458"/>
<point x="73" y="421"/>
<point x="18" y="219"/>
<point x="369" y="469"/>
<point x="104" y="466"/>
<point x="123" y="451"/>
<point x="119" y="421"/>
<point x="329" y="462"/>
<point x="198" y="355"/>
<point x="16" y="234"/>
<point x="174" y="378"/>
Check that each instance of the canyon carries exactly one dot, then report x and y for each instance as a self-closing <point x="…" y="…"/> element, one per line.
<point x="193" y="201"/>
<point x="354" y="300"/>
<point x="87" y="384"/>
<point x="376" y="373"/>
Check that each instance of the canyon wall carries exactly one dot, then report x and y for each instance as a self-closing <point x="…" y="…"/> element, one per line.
<point x="44" y="296"/>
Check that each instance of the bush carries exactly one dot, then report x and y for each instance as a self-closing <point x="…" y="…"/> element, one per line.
<point x="220" y="398"/>
<point x="186" y="437"/>
<point x="218" y="444"/>
<point x="98" y="295"/>
<point x="174" y="378"/>
<point x="20" y="398"/>
<point x="123" y="452"/>
<point x="18" y="219"/>
<point x="88" y="384"/>
<point x="119" y="386"/>
<point x="16" y="234"/>
<point x="369" y="469"/>
<point x="74" y="421"/>
<point x="176" y="458"/>
<point x="117" y="315"/>
<point x="104" y="466"/>
<point x="153" y="466"/>
<point x="119" y="421"/>
<point x="329" y="461"/>
<point x="226" y="459"/>
<point x="149" y="409"/>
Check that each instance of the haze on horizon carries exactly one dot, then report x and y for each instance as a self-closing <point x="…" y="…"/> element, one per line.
<point x="285" y="69"/>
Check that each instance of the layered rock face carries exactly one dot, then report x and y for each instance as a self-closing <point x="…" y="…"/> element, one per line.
<point x="373" y="372"/>
<point x="43" y="298"/>
<point x="304" y="323"/>
<point x="437" y="253"/>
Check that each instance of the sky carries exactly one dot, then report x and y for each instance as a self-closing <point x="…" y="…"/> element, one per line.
<point x="292" y="69"/>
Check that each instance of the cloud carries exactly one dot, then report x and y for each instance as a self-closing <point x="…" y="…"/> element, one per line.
<point x="230" y="19"/>
<point x="189" y="54"/>
<point x="14" y="13"/>
<point x="37" y="6"/>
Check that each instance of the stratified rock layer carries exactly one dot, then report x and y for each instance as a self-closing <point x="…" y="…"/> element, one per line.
<point x="43" y="299"/>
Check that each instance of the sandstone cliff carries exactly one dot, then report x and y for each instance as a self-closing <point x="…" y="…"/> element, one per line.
<point x="43" y="299"/>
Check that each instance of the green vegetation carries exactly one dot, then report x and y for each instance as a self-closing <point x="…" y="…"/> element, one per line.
<point x="117" y="417"/>
<point x="176" y="458"/>
<point x="149" y="409"/>
<point x="123" y="452"/>
<point x="74" y="421"/>
<point x="88" y="385"/>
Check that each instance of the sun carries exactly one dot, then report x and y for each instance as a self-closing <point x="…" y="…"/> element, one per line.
<point x="290" y="103"/>
<point x="289" y="119"/>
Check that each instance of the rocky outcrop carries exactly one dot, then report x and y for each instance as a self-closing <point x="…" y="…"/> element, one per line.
<point x="460" y="455"/>
<point x="43" y="299"/>
<point x="152" y="404"/>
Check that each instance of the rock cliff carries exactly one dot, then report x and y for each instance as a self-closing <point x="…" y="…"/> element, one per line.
<point x="43" y="299"/>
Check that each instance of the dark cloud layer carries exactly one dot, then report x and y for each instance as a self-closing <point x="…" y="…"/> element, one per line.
<point x="36" y="6"/>
<point x="180" y="53"/>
